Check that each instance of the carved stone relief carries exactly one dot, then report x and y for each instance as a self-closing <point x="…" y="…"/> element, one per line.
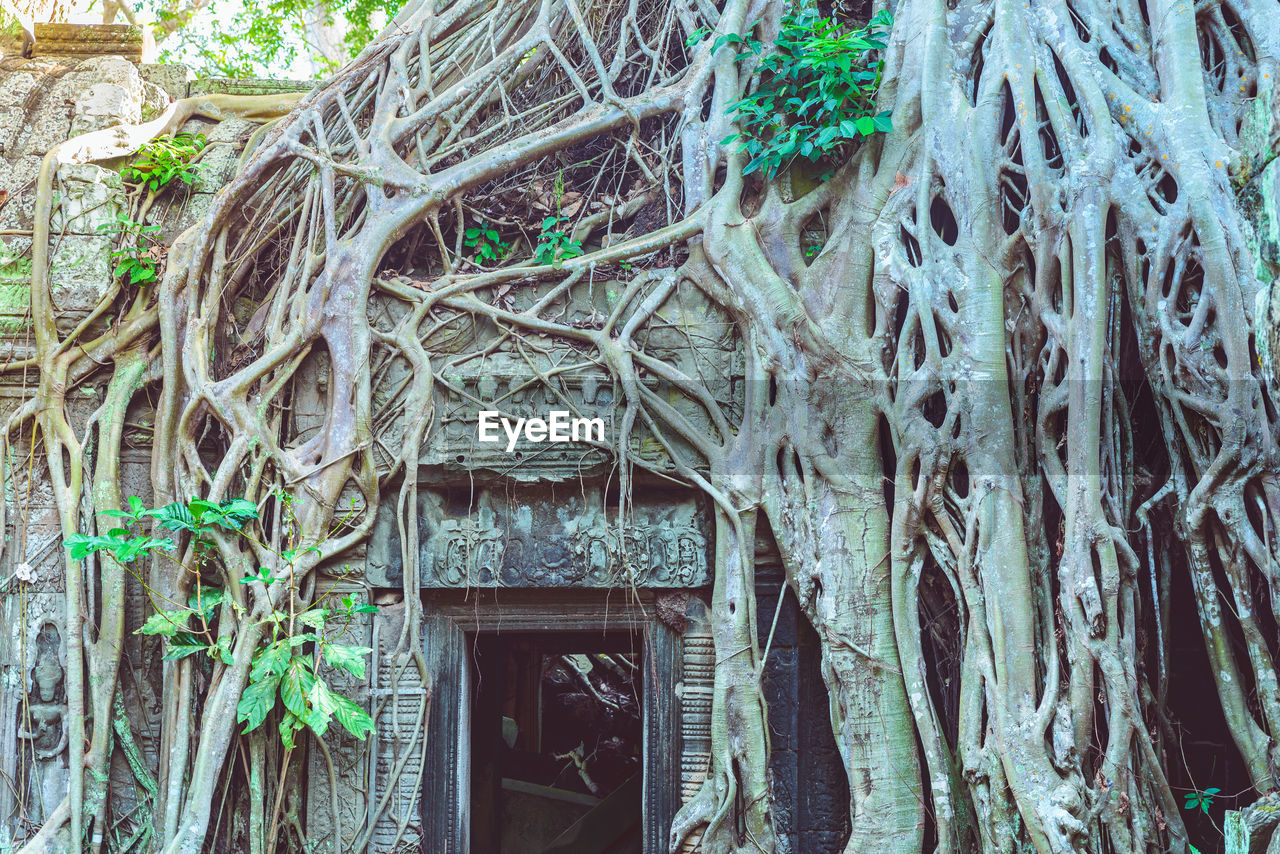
<point x="42" y="727"/>
<point x="521" y="537"/>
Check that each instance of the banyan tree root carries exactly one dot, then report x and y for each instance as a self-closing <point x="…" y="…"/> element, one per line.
<point x="935" y="417"/>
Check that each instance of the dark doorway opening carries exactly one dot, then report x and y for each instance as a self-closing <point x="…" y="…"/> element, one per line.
<point x="557" y="738"/>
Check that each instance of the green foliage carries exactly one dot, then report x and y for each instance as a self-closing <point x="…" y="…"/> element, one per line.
<point x="267" y="38"/>
<point x="1200" y="800"/>
<point x="696" y="36"/>
<point x="816" y="90"/>
<point x="141" y="251"/>
<point x="487" y="244"/>
<point x="554" y="245"/>
<point x="282" y="673"/>
<point x="164" y="160"/>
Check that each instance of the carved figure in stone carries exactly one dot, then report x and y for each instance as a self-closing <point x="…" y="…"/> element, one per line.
<point x="43" y="724"/>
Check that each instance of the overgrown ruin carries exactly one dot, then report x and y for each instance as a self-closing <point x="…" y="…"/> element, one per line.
<point x="936" y="497"/>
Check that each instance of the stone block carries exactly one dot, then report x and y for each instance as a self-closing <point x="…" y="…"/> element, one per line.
<point x="79" y="271"/>
<point x="180" y="213"/>
<point x="172" y="77"/>
<point x="235" y="131"/>
<point x="218" y="165"/>
<point x="15" y="284"/>
<point x="786" y="784"/>
<point x="154" y="101"/>
<point x="105" y="105"/>
<point x="126" y="41"/>
<point x="18" y="179"/>
<point x="89" y="198"/>
<point x="15" y="87"/>
<point x="246" y="86"/>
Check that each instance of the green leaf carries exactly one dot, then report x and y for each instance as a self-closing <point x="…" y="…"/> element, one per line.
<point x="264" y="576"/>
<point x="165" y="623"/>
<point x="222" y="650"/>
<point x="183" y="644"/>
<point x="866" y="125"/>
<point x="353" y="719"/>
<point x="289" y="724"/>
<point x="204" y="600"/>
<point x="291" y="555"/>
<point x="295" y="685"/>
<point x="175" y="517"/>
<point x="81" y="545"/>
<point x="322" y="704"/>
<point x="348" y="658"/>
<point x="257" y="701"/>
<point x="315" y="618"/>
<point x="271" y="660"/>
<point x="236" y="512"/>
<point x="883" y="122"/>
<point x="117" y="514"/>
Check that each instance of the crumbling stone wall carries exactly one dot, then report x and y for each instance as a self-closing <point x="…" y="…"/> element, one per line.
<point x="45" y="100"/>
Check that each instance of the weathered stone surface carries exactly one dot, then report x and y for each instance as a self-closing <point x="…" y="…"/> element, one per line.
<point x="533" y="538"/>
<point x="89" y="200"/>
<point x="234" y="131"/>
<point x="129" y="41"/>
<point x="172" y="77"/>
<point x="79" y="271"/>
<point x="15" y="283"/>
<point x="217" y="165"/>
<point x="246" y="86"/>
<point x="510" y="380"/>
<point x="115" y="97"/>
<point x="175" y="215"/>
<point x="18" y="179"/>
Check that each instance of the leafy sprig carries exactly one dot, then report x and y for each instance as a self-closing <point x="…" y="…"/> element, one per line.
<point x="141" y="252"/>
<point x="164" y="160"/>
<point x="816" y="90"/>
<point x="283" y="673"/>
<point x="1201" y="800"/>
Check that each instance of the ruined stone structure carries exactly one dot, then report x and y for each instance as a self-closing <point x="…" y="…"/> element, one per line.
<point x="522" y="544"/>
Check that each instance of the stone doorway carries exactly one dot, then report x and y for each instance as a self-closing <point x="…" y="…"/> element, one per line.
<point x="557" y="742"/>
<point x="467" y="633"/>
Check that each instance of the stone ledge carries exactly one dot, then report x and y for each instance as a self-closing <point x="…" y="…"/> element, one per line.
<point x="246" y="86"/>
<point x="131" y="41"/>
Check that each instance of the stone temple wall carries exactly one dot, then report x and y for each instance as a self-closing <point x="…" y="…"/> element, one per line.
<point x="547" y="549"/>
<point x="68" y="88"/>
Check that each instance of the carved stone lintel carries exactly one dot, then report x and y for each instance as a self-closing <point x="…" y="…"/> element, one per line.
<point x="523" y="537"/>
<point x="131" y="41"/>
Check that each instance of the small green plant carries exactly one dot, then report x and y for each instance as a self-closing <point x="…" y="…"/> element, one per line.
<point x="696" y="36"/>
<point x="139" y="256"/>
<point x="554" y="245"/>
<point x="282" y="672"/>
<point x="1200" y="800"/>
<point x="164" y="160"/>
<point x="487" y="244"/>
<point x="816" y="90"/>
